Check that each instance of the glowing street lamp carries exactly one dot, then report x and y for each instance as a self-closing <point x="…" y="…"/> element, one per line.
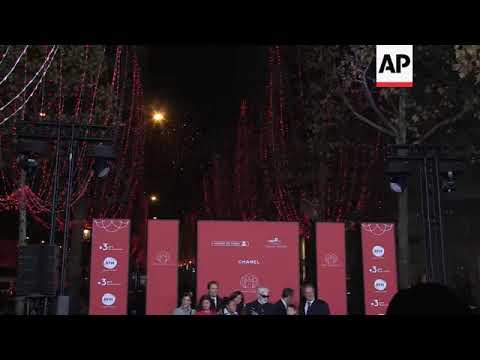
<point x="158" y="117"/>
<point x="153" y="198"/>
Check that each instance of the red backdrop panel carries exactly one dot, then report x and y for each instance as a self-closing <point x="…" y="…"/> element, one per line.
<point x="109" y="267"/>
<point x="245" y="255"/>
<point x="379" y="266"/>
<point x="162" y="260"/>
<point x="331" y="276"/>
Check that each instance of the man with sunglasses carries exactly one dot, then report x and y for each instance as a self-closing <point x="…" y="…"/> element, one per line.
<point x="261" y="306"/>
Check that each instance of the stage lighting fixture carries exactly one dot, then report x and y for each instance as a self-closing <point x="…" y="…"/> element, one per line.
<point x="28" y="164"/>
<point x="448" y="183"/>
<point x="398" y="184"/>
<point x="32" y="147"/>
<point x="28" y="154"/>
<point x="102" y="168"/>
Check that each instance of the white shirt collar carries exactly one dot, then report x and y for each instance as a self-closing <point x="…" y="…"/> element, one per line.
<point x="226" y="312"/>
<point x="284" y="303"/>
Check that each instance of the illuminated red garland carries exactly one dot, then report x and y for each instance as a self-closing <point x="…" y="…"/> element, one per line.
<point x="38" y="201"/>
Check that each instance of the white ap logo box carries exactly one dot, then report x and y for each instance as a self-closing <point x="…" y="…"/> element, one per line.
<point x="394" y="66"/>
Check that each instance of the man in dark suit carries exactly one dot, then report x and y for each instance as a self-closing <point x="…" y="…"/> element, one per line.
<point x="281" y="306"/>
<point x="216" y="301"/>
<point x="312" y="306"/>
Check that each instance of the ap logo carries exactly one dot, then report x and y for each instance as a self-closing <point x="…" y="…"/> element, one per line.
<point x="394" y="66"/>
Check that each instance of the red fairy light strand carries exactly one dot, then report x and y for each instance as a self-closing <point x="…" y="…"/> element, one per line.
<point x="39" y="201"/>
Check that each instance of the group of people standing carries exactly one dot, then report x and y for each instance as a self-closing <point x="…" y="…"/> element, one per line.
<point x="213" y="304"/>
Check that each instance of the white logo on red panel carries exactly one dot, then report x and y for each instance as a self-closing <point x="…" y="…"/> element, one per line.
<point x="375" y="269"/>
<point x="275" y="242"/>
<point x="108" y="247"/>
<point x="331" y="259"/>
<point x="105" y="247"/>
<point x="106" y="282"/>
<point x="380" y="284"/>
<point x="233" y="243"/>
<point x="162" y="258"/>
<point x="377" y="303"/>
<point x="108" y="299"/>
<point x="110" y="263"/>
<point x="249" y="262"/>
<point x="377" y="229"/>
<point x="249" y="281"/>
<point x="111" y="225"/>
<point x="378" y="251"/>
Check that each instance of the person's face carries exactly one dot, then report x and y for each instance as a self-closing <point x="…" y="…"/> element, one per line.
<point x="213" y="290"/>
<point x="232" y="306"/>
<point x="289" y="299"/>
<point x="238" y="299"/>
<point x="186" y="301"/>
<point x="309" y="293"/>
<point x="265" y="296"/>
<point x="205" y="304"/>
<point x="291" y="311"/>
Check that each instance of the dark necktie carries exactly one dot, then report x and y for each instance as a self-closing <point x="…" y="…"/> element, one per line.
<point x="309" y="303"/>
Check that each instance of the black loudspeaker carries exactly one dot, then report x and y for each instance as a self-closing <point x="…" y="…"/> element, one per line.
<point x="37" y="270"/>
<point x="28" y="265"/>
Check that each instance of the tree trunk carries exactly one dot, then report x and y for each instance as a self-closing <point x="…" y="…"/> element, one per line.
<point x="74" y="265"/>
<point x="402" y="224"/>
<point x="22" y="234"/>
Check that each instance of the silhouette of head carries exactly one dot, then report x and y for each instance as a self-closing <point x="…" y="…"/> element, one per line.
<point x="426" y="299"/>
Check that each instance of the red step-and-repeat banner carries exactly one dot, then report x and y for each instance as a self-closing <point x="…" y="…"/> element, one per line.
<point x="245" y="255"/>
<point x="162" y="260"/>
<point x="109" y="267"/>
<point x="331" y="275"/>
<point x="379" y="266"/>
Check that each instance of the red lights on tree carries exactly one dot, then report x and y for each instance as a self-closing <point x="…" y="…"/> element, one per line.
<point x="78" y="84"/>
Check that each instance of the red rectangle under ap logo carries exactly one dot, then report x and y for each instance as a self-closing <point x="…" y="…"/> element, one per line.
<point x="394" y="66"/>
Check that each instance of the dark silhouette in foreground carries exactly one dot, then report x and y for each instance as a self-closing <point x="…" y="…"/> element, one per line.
<point x="427" y="299"/>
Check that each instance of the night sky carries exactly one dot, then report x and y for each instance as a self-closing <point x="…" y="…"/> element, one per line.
<point x="194" y="85"/>
<point x="190" y="78"/>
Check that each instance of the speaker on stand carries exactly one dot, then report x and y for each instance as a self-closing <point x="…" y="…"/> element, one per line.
<point x="37" y="278"/>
